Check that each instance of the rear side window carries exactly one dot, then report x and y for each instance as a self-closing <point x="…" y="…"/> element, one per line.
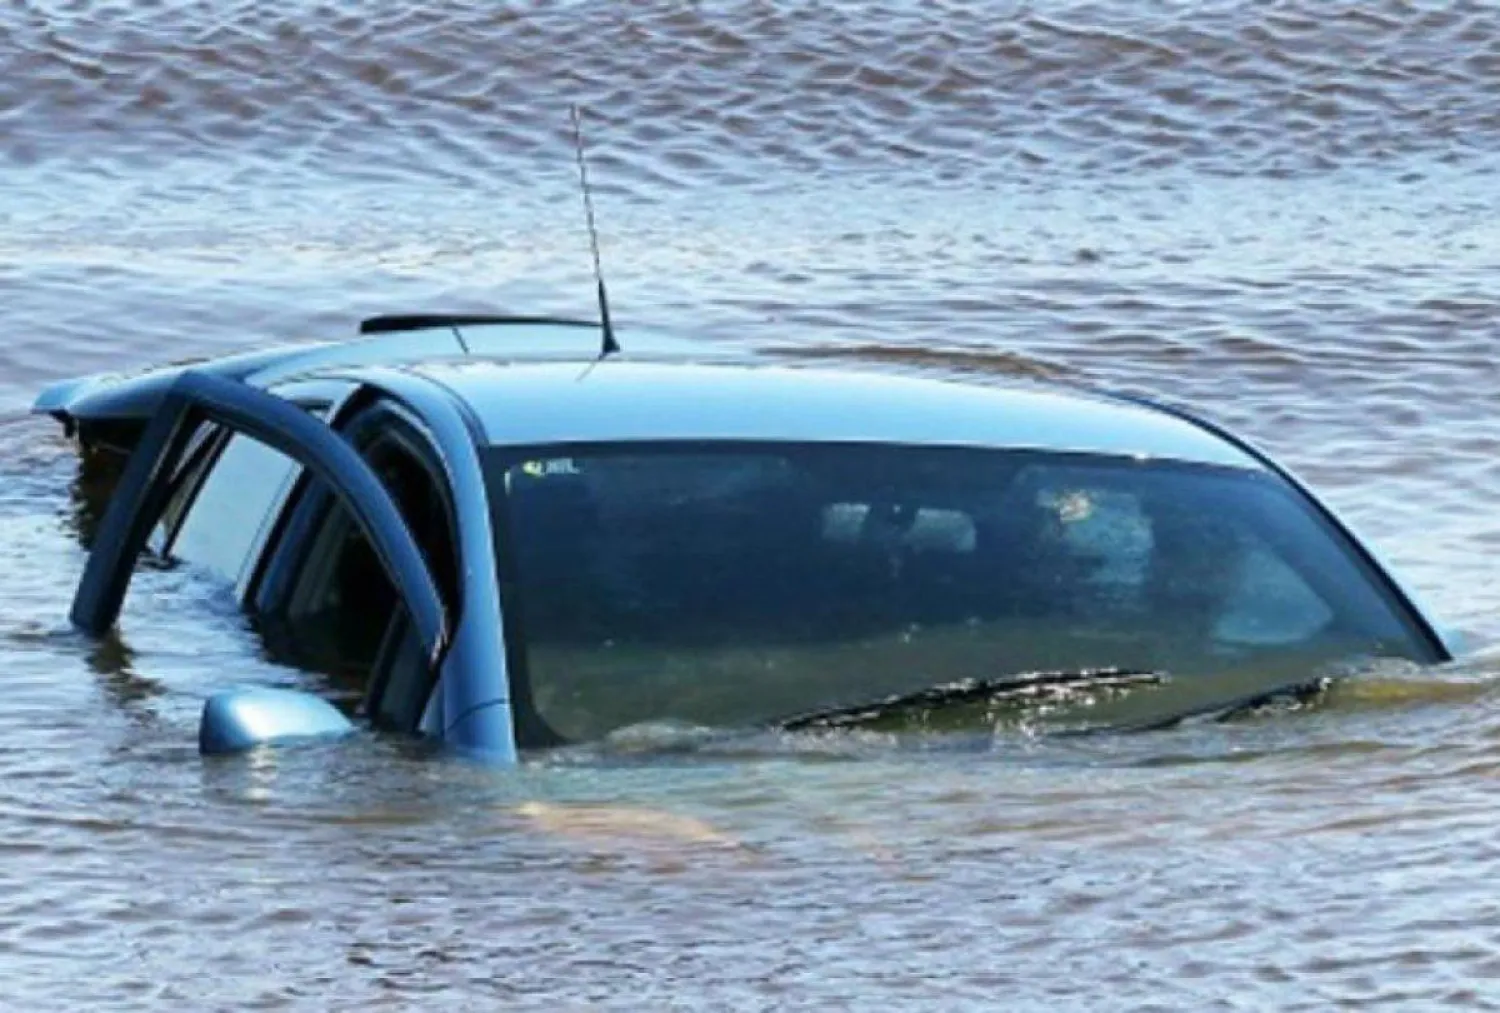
<point x="227" y="516"/>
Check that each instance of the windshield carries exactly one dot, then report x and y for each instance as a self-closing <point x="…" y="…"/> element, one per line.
<point x="738" y="584"/>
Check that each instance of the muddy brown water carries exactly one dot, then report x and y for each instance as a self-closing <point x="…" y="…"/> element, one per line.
<point x="1282" y="213"/>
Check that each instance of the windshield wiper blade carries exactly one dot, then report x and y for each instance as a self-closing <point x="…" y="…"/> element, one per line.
<point x="1297" y="691"/>
<point x="1005" y="689"/>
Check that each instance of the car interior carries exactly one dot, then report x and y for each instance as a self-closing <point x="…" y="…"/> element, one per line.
<point x="343" y="616"/>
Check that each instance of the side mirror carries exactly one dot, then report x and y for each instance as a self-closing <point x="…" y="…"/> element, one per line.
<point x="242" y="719"/>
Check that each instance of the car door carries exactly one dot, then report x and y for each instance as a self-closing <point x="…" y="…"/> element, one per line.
<point x="240" y="411"/>
<point x="230" y="490"/>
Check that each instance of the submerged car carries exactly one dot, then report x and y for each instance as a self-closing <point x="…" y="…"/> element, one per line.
<point x="505" y="541"/>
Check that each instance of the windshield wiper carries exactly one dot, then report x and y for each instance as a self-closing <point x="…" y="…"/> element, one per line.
<point x="1004" y="689"/>
<point x="1297" y="691"/>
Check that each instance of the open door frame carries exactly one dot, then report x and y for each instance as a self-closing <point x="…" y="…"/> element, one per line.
<point x="145" y="487"/>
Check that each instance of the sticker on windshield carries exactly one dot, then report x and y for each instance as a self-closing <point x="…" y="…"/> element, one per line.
<point x="550" y="466"/>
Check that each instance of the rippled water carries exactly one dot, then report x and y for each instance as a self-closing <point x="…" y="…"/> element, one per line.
<point x="1282" y="213"/>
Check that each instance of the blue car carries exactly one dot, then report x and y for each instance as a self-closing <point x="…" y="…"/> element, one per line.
<point x="497" y="538"/>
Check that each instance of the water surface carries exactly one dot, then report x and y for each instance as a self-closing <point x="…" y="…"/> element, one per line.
<point x="1280" y="213"/>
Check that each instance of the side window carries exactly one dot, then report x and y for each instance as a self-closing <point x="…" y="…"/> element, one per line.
<point x="231" y="508"/>
<point x="200" y="456"/>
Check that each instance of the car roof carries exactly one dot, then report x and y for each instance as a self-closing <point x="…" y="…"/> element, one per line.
<point x="533" y="381"/>
<point x="619" y="400"/>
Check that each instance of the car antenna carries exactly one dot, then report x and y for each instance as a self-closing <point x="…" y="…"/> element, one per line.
<point x="610" y="345"/>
